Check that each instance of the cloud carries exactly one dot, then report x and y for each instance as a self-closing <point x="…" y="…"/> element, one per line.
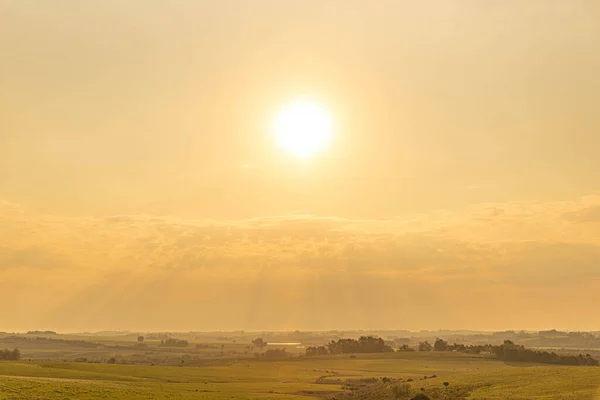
<point x="544" y="264"/>
<point x="588" y="214"/>
<point x="31" y="257"/>
<point x="302" y="271"/>
<point x="10" y="211"/>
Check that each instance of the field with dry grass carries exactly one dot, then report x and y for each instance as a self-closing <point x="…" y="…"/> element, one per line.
<point x="69" y="367"/>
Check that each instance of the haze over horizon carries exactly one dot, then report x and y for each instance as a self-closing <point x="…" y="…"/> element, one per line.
<point x="142" y="187"/>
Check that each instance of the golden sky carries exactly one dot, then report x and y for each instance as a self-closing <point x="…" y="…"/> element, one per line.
<point x="141" y="188"/>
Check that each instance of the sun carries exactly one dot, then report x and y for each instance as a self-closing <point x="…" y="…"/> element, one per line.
<point x="303" y="128"/>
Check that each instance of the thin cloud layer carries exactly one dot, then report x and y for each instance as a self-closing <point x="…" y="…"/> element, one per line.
<point x="588" y="214"/>
<point x="304" y="271"/>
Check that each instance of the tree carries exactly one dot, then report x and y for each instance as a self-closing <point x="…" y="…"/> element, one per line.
<point x="440" y="345"/>
<point x="316" y="351"/>
<point x="405" y="348"/>
<point x="371" y="344"/>
<point x="7" y="354"/>
<point x="365" y="344"/>
<point x="457" y="347"/>
<point x="425" y="346"/>
<point x="140" y="339"/>
<point x="259" y="343"/>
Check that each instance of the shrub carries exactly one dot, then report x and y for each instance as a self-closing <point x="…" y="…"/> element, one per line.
<point x="401" y="391"/>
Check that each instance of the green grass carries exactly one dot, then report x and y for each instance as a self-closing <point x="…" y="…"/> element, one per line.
<point x="249" y="379"/>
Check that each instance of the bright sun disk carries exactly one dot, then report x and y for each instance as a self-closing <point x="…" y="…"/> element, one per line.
<point x="303" y="128"/>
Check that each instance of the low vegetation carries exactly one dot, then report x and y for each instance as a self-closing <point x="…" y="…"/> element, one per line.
<point x="397" y="389"/>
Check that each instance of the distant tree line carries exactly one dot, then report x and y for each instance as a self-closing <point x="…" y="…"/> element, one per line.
<point x="173" y="342"/>
<point x="41" y="333"/>
<point x="513" y="352"/>
<point x="364" y="344"/>
<point x="509" y="351"/>
<point x="14" y="354"/>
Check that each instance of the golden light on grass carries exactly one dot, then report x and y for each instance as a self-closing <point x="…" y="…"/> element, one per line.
<point x="303" y="128"/>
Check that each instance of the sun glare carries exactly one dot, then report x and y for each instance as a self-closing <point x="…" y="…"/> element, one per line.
<point x="303" y="128"/>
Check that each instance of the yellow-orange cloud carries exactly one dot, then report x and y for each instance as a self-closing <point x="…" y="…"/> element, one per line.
<point x="442" y="270"/>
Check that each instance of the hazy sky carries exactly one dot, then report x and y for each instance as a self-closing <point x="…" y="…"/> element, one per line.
<point x="140" y="185"/>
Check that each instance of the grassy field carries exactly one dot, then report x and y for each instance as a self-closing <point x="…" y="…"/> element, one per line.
<point x="293" y="379"/>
